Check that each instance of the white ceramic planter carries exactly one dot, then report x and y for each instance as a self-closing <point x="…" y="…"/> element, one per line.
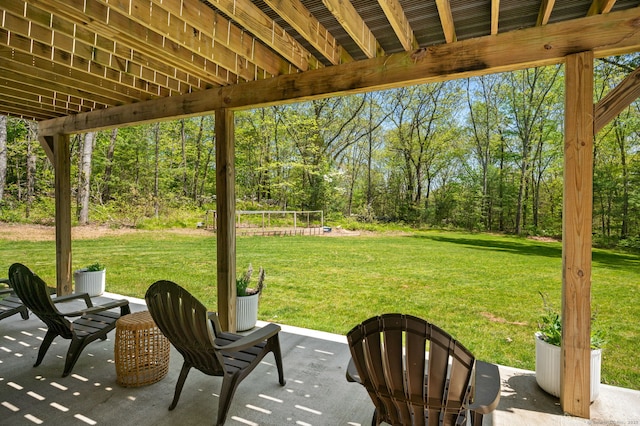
<point x="92" y="282"/>
<point x="548" y="368"/>
<point x="247" y="312"/>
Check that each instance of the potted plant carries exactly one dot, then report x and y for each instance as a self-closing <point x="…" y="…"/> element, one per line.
<point x="247" y="299"/>
<point x="548" y="339"/>
<point x="90" y="279"/>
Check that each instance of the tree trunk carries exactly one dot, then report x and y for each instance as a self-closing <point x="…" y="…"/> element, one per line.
<point x="106" y="191"/>
<point x="31" y="165"/>
<point x="3" y="154"/>
<point x="85" y="177"/>
<point x="156" y="176"/>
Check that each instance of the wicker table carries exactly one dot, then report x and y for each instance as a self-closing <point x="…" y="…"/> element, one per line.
<point x="141" y="350"/>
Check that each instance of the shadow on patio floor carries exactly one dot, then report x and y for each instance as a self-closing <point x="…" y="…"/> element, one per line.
<point x="316" y="392"/>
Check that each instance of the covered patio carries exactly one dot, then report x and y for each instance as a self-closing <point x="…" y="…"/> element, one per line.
<point x="316" y="392"/>
<point x="78" y="66"/>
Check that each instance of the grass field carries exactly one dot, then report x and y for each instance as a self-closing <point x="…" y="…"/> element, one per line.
<point x="483" y="289"/>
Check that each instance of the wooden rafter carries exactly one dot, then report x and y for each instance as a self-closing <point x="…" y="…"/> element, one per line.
<point x="354" y="25"/>
<point x="616" y="100"/>
<point x="48" y="28"/>
<point x="399" y="22"/>
<point x="246" y="14"/>
<point x="55" y="77"/>
<point x="30" y="38"/>
<point x="606" y="35"/>
<point x="600" y="6"/>
<point x="446" y="19"/>
<point x="495" y="16"/>
<point x="297" y="15"/>
<point x="122" y="29"/>
<point x="546" y="7"/>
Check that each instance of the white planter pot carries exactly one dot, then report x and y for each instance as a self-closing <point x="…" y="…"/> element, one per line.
<point x="247" y="312"/>
<point x="92" y="282"/>
<point x="548" y="368"/>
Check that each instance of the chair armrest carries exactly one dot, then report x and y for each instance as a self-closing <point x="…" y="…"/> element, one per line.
<point x="250" y="340"/>
<point x="66" y="298"/>
<point x="487" y="388"/>
<point x="352" y="373"/>
<point x="123" y="304"/>
<point x="4" y="281"/>
<point x="7" y="290"/>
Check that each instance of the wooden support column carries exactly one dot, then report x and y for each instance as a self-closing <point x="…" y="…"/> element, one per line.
<point x="62" y="166"/>
<point x="226" y="229"/>
<point x="576" y="235"/>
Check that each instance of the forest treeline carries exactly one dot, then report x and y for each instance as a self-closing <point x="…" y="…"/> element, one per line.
<point x="485" y="153"/>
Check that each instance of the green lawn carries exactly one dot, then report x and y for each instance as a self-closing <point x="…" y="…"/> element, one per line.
<point x="483" y="289"/>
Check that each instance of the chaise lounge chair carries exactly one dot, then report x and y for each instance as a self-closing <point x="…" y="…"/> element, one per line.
<point x="409" y="387"/>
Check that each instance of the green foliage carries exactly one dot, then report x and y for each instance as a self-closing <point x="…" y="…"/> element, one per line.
<point x="243" y="282"/>
<point x="550" y="327"/>
<point x="95" y="267"/>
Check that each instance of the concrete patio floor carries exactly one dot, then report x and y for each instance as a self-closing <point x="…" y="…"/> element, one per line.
<point x="316" y="392"/>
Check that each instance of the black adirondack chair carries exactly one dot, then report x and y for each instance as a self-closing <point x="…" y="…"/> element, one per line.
<point x="197" y="335"/>
<point x="91" y="323"/>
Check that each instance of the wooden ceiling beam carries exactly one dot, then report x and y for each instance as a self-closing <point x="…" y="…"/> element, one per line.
<point x="495" y="16"/>
<point x="546" y="7"/>
<point x="165" y="18"/>
<point x="51" y="76"/>
<point x="399" y="22"/>
<point x="95" y="15"/>
<point x="12" y="90"/>
<point x="36" y="112"/>
<point x="47" y="28"/>
<point x="611" y="34"/>
<point x="18" y="33"/>
<point x="224" y="32"/>
<point x="11" y="81"/>
<point x="617" y="100"/>
<point x="254" y="20"/>
<point x="354" y="25"/>
<point x="446" y="19"/>
<point x="299" y="17"/>
<point x="600" y="6"/>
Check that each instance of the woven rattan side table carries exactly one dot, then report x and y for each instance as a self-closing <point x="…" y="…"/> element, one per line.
<point x="141" y="351"/>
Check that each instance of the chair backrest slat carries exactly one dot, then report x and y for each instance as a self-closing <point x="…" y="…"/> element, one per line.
<point x="184" y="321"/>
<point x="33" y="292"/>
<point x="407" y="386"/>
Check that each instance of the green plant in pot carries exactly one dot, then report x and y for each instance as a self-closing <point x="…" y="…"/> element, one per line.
<point x="247" y="299"/>
<point x="91" y="279"/>
<point x="548" y="340"/>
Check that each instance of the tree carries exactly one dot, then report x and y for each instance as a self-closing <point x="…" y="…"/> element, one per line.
<point x="84" y="176"/>
<point x="3" y="154"/>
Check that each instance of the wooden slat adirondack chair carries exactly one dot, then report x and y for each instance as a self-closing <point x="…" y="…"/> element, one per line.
<point x="10" y="304"/>
<point x="417" y="374"/>
<point x="197" y="335"/>
<point x="91" y="323"/>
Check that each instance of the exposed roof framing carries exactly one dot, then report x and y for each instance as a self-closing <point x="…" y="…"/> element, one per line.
<point x="65" y="57"/>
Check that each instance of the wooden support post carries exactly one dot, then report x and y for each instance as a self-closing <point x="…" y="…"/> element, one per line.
<point x="62" y="166"/>
<point x="576" y="235"/>
<point x="226" y="207"/>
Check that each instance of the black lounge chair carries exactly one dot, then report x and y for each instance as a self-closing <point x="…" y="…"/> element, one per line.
<point x="92" y="322"/>
<point x="10" y="304"/>
<point x="409" y="388"/>
<point x="197" y="335"/>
